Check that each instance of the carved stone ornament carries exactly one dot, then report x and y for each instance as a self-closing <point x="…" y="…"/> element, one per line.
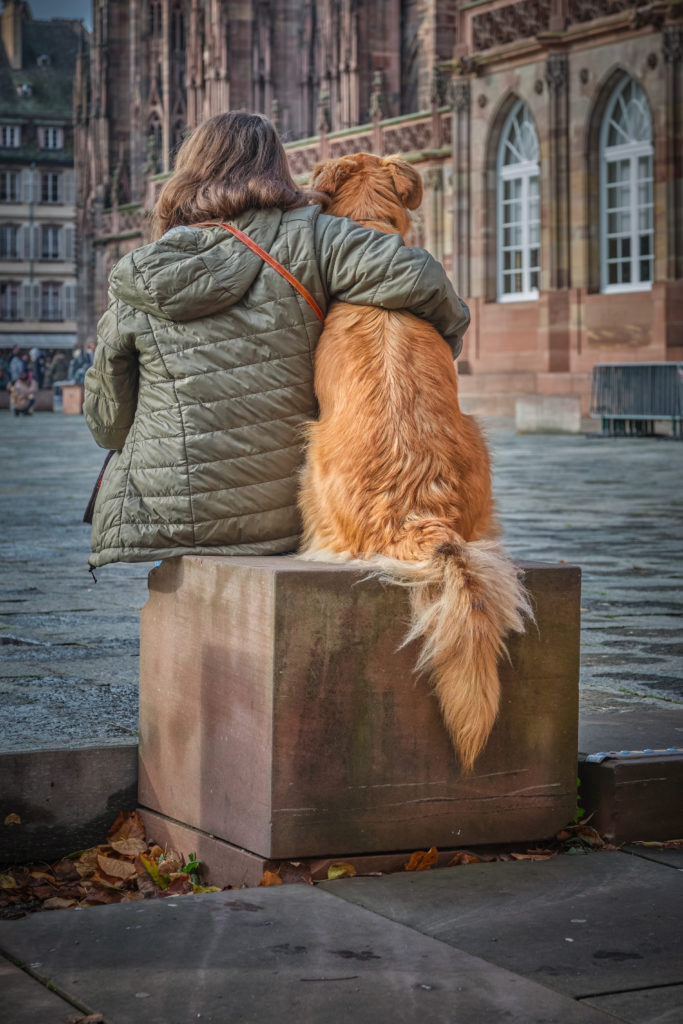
<point x="521" y="20"/>
<point x="589" y="10"/>
<point x="538" y="86"/>
<point x="584" y="75"/>
<point x="465" y="65"/>
<point x="460" y="95"/>
<point x="557" y="72"/>
<point x="323" y="120"/>
<point x="482" y="100"/>
<point x="672" y="43"/>
<point x="376" y="97"/>
<point x="433" y="179"/>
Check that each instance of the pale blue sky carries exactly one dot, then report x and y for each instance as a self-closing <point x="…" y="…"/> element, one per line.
<point x="63" y="9"/>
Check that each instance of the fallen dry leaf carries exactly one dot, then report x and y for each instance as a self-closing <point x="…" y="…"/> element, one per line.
<point x="65" y="870"/>
<point x="341" y="869"/>
<point x="423" y="860"/>
<point x="86" y="865"/>
<point x="128" y="823"/>
<point x="464" y="857"/>
<point x="12" y="819"/>
<point x="8" y="882"/>
<point x="170" y="863"/>
<point x="114" y="868"/>
<point x="59" y="903"/>
<point x="127" y="834"/>
<point x="129" y="847"/>
<point x="667" y="844"/>
<point x="545" y="855"/>
<point x="270" y="878"/>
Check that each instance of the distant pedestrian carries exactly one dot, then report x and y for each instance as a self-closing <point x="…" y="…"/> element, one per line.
<point x="38" y="363"/>
<point x="79" y="365"/>
<point x="17" y="364"/>
<point x="24" y="392"/>
<point x="58" y="368"/>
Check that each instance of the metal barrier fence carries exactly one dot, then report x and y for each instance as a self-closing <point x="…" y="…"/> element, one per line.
<point x="630" y="397"/>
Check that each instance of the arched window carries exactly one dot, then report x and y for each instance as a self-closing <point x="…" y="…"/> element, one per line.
<point x="626" y="221"/>
<point x="519" y="213"/>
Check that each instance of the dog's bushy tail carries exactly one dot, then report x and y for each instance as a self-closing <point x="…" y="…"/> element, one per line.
<point x="464" y="602"/>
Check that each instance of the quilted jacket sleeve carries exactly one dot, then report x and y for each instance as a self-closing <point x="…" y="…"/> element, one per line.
<point x="363" y="266"/>
<point x="111" y="384"/>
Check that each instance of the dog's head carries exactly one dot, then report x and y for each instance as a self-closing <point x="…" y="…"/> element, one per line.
<point x="370" y="188"/>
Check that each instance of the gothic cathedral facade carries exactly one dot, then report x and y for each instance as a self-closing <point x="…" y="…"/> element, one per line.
<point x="548" y="134"/>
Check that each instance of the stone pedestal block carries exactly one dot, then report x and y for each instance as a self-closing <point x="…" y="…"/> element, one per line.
<point x="72" y="399"/>
<point x="548" y="414"/>
<point x="278" y="715"/>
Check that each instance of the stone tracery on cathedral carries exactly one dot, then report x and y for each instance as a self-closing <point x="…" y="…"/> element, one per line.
<point x="434" y="80"/>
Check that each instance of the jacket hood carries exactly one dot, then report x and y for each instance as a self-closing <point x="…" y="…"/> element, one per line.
<point x="194" y="272"/>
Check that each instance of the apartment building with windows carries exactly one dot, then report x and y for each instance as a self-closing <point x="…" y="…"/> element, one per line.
<point x="37" y="191"/>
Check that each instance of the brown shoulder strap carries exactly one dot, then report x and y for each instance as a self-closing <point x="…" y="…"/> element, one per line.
<point x="267" y="258"/>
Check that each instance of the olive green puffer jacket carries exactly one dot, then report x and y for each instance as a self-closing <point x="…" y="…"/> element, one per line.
<point x="203" y="376"/>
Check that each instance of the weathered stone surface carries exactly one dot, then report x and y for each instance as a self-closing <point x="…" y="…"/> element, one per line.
<point x="66" y="799"/>
<point x="295" y="955"/>
<point x="548" y="414"/>
<point x="635" y="798"/>
<point x="585" y="925"/>
<point x="277" y="713"/>
<point x="650" y="1006"/>
<point x="26" y="1001"/>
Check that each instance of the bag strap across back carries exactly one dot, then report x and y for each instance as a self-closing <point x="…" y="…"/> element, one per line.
<point x="267" y="258"/>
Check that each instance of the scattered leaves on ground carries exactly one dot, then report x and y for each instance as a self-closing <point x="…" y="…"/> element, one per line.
<point x="669" y="844"/>
<point x="340" y="869"/>
<point x="423" y="860"/>
<point x="123" y="870"/>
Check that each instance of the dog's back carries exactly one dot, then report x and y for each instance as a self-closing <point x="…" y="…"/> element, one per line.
<point x="392" y="457"/>
<point x="396" y="472"/>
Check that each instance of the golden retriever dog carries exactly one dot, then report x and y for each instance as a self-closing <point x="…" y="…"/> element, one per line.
<point x="396" y="474"/>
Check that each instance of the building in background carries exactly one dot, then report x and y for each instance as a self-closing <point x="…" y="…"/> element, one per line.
<point x="37" y="190"/>
<point x="548" y="134"/>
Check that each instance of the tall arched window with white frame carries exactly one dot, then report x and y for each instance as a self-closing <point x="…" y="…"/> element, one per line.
<point x="519" y="210"/>
<point x="626" y="200"/>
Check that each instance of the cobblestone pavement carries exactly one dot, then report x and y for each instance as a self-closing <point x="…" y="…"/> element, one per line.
<point x="68" y="673"/>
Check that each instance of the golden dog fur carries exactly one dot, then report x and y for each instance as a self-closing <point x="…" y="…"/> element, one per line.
<point x="395" y="472"/>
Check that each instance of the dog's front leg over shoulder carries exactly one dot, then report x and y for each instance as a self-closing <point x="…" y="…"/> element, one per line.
<point x="367" y="267"/>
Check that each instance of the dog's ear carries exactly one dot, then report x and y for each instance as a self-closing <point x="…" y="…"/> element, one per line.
<point x="329" y="175"/>
<point x="407" y="182"/>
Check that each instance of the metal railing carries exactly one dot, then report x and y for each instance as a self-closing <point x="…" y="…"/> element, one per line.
<point x="630" y="398"/>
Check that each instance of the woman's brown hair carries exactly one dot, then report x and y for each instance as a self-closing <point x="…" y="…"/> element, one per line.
<point x="230" y="163"/>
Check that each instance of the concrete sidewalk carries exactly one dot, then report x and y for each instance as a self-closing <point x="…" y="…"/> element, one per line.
<point x="578" y="939"/>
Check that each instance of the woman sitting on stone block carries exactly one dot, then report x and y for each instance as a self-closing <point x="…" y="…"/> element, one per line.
<point x="203" y="375"/>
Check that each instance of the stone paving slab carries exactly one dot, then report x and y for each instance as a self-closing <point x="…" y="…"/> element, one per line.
<point x="26" y="1001"/>
<point x="657" y="725"/>
<point x="672" y="858"/>
<point x="294" y="955"/>
<point x="653" y="1006"/>
<point x="584" y="925"/>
